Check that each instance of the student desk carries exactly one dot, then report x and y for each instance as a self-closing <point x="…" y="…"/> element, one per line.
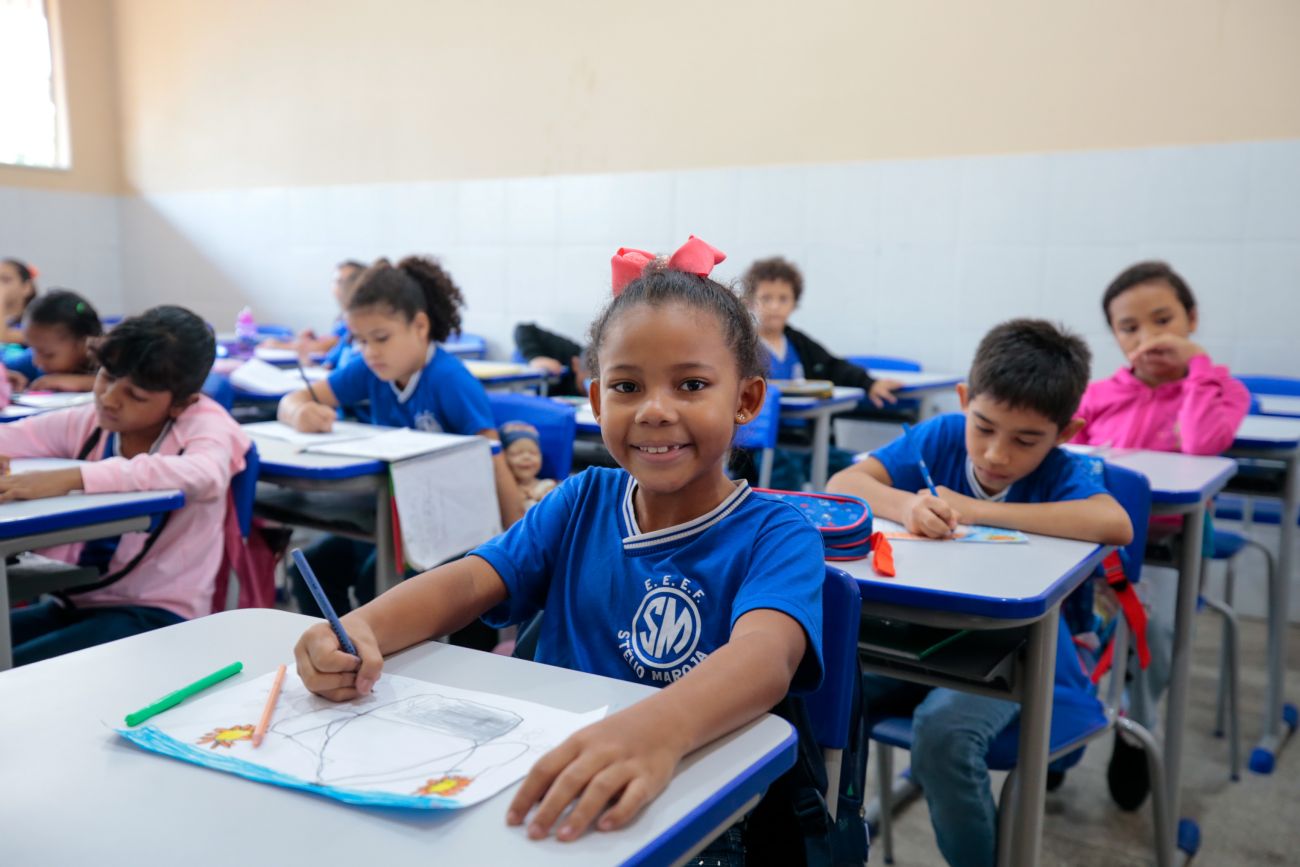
<point x="129" y="806"/>
<point x="1180" y="485"/>
<point x="920" y="384"/>
<point x="26" y="525"/>
<point x="820" y="410"/>
<point x="1276" y="439"/>
<point x="1279" y="405"/>
<point x="988" y="586"/>
<point x="508" y="376"/>
<point x="284" y="466"/>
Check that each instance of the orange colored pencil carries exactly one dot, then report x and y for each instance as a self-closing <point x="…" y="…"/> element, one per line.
<point x="260" y="731"/>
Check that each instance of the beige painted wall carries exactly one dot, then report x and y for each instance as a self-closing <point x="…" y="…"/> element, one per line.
<point x="249" y="92"/>
<point x="90" y="70"/>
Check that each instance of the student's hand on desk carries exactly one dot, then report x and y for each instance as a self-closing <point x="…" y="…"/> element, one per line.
<point x="550" y="365"/>
<point x="882" y="392"/>
<point x="609" y="771"/>
<point x="928" y="515"/>
<point x="17" y="381"/>
<point x="331" y="673"/>
<point x="59" y="382"/>
<point x="314" y="418"/>
<point x="37" y="486"/>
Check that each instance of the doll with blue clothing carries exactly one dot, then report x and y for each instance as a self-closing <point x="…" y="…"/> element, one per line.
<point x="997" y="463"/>
<point x="662" y="571"/>
<point x="523" y="449"/>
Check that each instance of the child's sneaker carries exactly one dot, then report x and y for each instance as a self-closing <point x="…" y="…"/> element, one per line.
<point x="1127" y="775"/>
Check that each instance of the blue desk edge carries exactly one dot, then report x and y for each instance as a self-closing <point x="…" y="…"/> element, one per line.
<point x="94" y="515"/>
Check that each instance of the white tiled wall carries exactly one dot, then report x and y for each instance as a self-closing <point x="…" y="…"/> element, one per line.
<point x="72" y="238"/>
<point x="911" y="258"/>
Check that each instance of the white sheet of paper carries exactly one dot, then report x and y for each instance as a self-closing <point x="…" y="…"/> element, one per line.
<point x="409" y="743"/>
<point x="258" y="377"/>
<point x="343" y="431"/>
<point x="397" y="444"/>
<point x="272" y="354"/>
<point x="53" y="399"/>
<point x="40" y="465"/>
<point x="446" y="503"/>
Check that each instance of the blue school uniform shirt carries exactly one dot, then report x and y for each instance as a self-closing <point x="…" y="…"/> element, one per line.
<point x="342" y="352"/>
<point x="1061" y="476"/>
<point x="649" y="607"/>
<point x="22" y="363"/>
<point x="941" y="441"/>
<point x="442" y="396"/>
<point x="790" y="367"/>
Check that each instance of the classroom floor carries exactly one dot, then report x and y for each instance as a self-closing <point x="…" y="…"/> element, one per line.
<point x="1252" y="822"/>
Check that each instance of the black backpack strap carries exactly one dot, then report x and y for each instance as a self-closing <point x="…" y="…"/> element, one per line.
<point x="113" y="578"/>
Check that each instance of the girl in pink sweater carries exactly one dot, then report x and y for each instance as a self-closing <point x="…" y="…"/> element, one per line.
<point x="148" y="429"/>
<point x="1172" y="398"/>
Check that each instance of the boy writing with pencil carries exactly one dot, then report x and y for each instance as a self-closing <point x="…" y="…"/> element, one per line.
<point x="997" y="464"/>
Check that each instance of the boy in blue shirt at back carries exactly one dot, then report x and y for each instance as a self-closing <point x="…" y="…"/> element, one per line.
<point x="998" y="464"/>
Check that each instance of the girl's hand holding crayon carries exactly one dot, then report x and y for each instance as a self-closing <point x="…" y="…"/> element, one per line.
<point x="36" y="486"/>
<point x="314" y="418"/>
<point x="928" y="515"/>
<point x="608" y="771"/>
<point x="331" y="673"/>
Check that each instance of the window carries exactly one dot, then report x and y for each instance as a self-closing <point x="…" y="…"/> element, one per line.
<point x="33" y="131"/>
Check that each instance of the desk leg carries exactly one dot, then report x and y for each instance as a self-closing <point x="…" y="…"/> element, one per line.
<point x="6" y="645"/>
<point x="1189" y="584"/>
<point x="821" y="451"/>
<point x="1035" y="724"/>
<point x="385" y="555"/>
<point x="1279" y="602"/>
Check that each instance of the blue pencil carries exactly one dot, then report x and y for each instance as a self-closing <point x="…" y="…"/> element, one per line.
<point x="925" y="471"/>
<point x="319" y="595"/>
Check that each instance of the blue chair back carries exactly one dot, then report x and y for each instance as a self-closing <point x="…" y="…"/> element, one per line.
<point x="1132" y="490"/>
<point x="217" y="386"/>
<point x="556" y="425"/>
<point x="761" y="432"/>
<point x="518" y="357"/>
<point x="831" y="704"/>
<point x="1282" y="385"/>
<point x="884" y="362"/>
<point x="468" y="345"/>
<point x="243" y="490"/>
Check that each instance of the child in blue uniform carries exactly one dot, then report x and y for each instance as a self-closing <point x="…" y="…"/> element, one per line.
<point x="663" y="572"/>
<point x="60" y="326"/>
<point x="397" y="314"/>
<point x="998" y="465"/>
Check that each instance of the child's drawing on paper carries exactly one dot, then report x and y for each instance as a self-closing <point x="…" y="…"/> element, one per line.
<point x="409" y="743"/>
<point x="968" y="533"/>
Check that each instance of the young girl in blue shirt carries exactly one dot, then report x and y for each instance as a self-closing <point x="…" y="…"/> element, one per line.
<point x="397" y="315"/>
<point x="663" y="572"/>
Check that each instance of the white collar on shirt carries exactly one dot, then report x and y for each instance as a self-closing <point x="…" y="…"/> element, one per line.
<point x="162" y="435"/>
<point x="978" y="489"/>
<point x="404" y="394"/>
<point x="637" y="539"/>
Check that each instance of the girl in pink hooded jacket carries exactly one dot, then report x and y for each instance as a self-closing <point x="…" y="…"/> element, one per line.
<point x="1172" y="398"/>
<point x="149" y="428"/>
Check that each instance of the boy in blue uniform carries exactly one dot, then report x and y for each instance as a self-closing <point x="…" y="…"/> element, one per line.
<point x="663" y="572"/>
<point x="998" y="465"/>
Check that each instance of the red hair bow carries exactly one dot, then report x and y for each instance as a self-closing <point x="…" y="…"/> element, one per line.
<point x="694" y="257"/>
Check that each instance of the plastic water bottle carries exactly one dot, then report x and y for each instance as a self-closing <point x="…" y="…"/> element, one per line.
<point x="246" y="327"/>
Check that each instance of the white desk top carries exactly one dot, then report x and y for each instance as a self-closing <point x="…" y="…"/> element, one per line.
<point x="28" y="517"/>
<point x="918" y="381"/>
<point x="841" y="395"/>
<point x="281" y="458"/>
<point x="1279" y="404"/>
<point x="489" y="372"/>
<point x="1174" y="478"/>
<point x="1268" y="432"/>
<point x="1002" y="582"/>
<point x="81" y="794"/>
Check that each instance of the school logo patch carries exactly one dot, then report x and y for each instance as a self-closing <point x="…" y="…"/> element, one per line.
<point x="663" y="643"/>
<point x="425" y="421"/>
